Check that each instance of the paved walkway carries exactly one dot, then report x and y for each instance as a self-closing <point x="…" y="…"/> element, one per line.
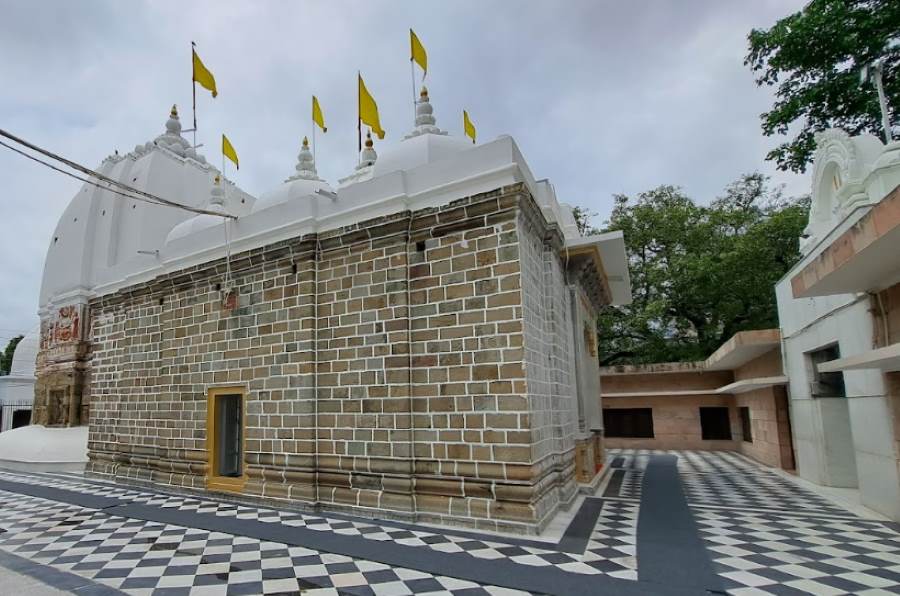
<point x="664" y="523"/>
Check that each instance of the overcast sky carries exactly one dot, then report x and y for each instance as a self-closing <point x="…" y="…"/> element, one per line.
<point x="602" y="97"/>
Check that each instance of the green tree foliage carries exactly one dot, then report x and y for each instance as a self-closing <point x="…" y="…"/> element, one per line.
<point x="7" y="355"/>
<point x="813" y="58"/>
<point x="699" y="274"/>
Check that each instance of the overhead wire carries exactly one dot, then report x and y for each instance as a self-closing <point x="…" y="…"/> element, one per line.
<point x="144" y="196"/>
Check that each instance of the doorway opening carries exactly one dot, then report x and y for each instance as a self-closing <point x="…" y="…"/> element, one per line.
<point x="225" y="438"/>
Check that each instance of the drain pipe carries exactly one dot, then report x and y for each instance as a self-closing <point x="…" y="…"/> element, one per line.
<point x="409" y="369"/>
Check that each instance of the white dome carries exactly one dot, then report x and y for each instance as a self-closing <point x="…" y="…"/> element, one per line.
<point x="194" y="225"/>
<point x="417" y="151"/>
<point x="23" y="362"/>
<point x="289" y="191"/>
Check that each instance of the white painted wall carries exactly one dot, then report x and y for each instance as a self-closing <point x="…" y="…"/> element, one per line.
<point x="844" y="442"/>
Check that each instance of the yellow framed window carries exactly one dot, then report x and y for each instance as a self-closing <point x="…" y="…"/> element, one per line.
<point x="225" y="433"/>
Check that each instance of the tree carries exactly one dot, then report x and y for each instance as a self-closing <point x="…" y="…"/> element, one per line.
<point x="814" y="58"/>
<point x="7" y="355"/>
<point x="583" y="217"/>
<point x="699" y="274"/>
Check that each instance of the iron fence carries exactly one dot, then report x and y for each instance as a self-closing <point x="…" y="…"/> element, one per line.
<point x="14" y="414"/>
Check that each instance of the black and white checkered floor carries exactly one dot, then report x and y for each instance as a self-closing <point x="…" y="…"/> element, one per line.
<point x="147" y="557"/>
<point x="764" y="534"/>
<point x="768" y="535"/>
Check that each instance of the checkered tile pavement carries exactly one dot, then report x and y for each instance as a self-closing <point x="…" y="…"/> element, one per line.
<point x="775" y="553"/>
<point x="131" y="554"/>
<point x="144" y="558"/>
<point x="613" y="538"/>
<point x="768" y="535"/>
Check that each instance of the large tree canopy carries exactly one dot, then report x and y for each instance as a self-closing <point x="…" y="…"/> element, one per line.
<point x="814" y="58"/>
<point x="699" y="273"/>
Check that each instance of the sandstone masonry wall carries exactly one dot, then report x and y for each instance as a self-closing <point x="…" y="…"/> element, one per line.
<point x="384" y="366"/>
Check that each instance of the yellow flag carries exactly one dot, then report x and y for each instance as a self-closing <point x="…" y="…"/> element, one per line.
<point x="368" y="110"/>
<point x="203" y="76"/>
<point x="468" y="127"/>
<point x="229" y="152"/>
<point x="417" y="52"/>
<point x="318" y="117"/>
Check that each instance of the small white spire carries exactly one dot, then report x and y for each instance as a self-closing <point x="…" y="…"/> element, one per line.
<point x="172" y="139"/>
<point x="306" y="165"/>
<point x="425" y="120"/>
<point x="217" y="195"/>
<point x="368" y="155"/>
<point x="173" y="124"/>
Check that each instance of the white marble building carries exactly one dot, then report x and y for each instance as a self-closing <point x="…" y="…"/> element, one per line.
<point x="839" y="309"/>
<point x="17" y="388"/>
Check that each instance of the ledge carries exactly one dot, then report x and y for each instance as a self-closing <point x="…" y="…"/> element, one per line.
<point x="751" y="384"/>
<point x="863" y="258"/>
<point x="661" y="393"/>
<point x="886" y="359"/>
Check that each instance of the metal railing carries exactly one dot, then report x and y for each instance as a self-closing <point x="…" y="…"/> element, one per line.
<point x="15" y="414"/>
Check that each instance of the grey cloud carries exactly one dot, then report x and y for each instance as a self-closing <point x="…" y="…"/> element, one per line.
<point x="602" y="97"/>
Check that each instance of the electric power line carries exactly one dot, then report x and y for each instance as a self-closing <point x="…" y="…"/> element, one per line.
<point x="147" y="197"/>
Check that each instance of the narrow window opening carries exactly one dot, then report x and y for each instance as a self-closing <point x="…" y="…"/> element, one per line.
<point x="826" y="384"/>
<point x="746" y="427"/>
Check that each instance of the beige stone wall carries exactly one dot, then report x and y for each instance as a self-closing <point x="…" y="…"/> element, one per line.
<point x="676" y="422"/>
<point x="384" y="366"/>
<point x="769" y="416"/>
<point x="676" y="418"/>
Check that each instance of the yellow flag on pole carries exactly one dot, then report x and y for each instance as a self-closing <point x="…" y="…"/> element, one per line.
<point x="368" y="110"/>
<point x="317" y="115"/>
<point x="229" y="152"/>
<point x="417" y="52"/>
<point x="202" y="75"/>
<point x="468" y="127"/>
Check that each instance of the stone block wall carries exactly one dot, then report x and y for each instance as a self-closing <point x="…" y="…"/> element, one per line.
<point x="385" y="369"/>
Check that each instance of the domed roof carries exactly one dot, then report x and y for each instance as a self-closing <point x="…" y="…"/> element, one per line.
<point x="425" y="144"/>
<point x="418" y="151"/>
<point x="304" y="182"/>
<point x="202" y="221"/>
<point x="23" y="362"/>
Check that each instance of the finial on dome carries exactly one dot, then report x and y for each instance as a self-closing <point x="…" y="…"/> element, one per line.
<point x="368" y="155"/>
<point x="173" y="125"/>
<point x="425" y="121"/>
<point x="217" y="193"/>
<point x="306" y="164"/>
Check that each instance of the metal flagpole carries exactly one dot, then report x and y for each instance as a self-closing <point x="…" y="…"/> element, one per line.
<point x="412" y="72"/>
<point x="194" y="85"/>
<point x="314" y="142"/>
<point x="358" y="118"/>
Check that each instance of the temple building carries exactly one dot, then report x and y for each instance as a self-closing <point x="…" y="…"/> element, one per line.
<point x="839" y="309"/>
<point x="417" y="342"/>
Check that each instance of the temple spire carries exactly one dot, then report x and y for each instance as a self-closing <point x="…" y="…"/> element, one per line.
<point x="368" y="155"/>
<point x="306" y="164"/>
<point x="425" y="120"/>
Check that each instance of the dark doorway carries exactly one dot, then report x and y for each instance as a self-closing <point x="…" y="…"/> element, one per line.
<point x="228" y="435"/>
<point x="715" y="424"/>
<point x="628" y="423"/>
<point x="746" y="427"/>
<point x="21" y="418"/>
